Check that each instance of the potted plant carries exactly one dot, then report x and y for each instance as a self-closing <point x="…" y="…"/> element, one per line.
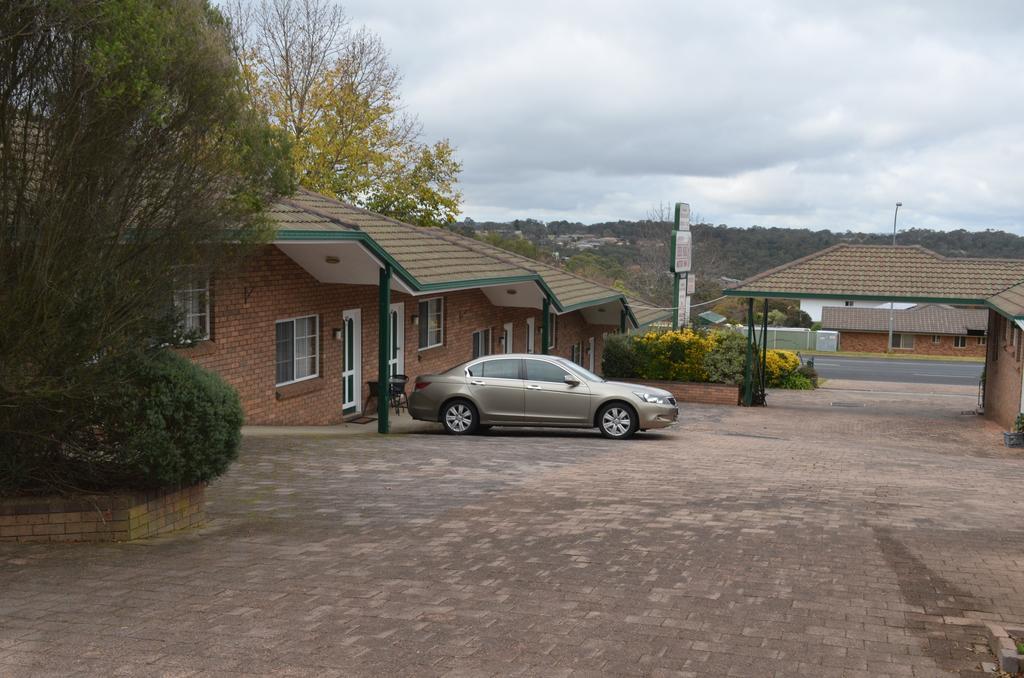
<point x="1015" y="438"/>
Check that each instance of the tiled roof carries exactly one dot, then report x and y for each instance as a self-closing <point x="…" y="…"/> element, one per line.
<point x="432" y="255"/>
<point x="1009" y="302"/>
<point x="910" y="273"/>
<point x="921" y="319"/>
<point x="646" y="313"/>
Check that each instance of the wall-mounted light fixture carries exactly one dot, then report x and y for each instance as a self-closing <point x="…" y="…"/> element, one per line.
<point x="415" y="319"/>
<point x="337" y="333"/>
<point x="332" y="259"/>
<point x="510" y="291"/>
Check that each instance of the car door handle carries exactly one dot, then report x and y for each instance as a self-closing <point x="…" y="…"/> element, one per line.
<point x="534" y="386"/>
<point x="478" y="382"/>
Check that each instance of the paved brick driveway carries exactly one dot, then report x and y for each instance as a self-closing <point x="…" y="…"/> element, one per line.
<point x="801" y="539"/>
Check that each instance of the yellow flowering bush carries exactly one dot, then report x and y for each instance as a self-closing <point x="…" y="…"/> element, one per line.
<point x="673" y="356"/>
<point x="779" y="365"/>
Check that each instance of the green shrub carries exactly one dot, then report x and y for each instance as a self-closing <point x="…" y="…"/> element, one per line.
<point x="725" y="362"/>
<point x="185" y="428"/>
<point x="619" y="359"/>
<point x="796" y="381"/>
<point x="170" y="423"/>
<point x="673" y="356"/>
<point x="810" y="373"/>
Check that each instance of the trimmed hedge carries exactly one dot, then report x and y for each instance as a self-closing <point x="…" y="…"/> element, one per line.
<point x="186" y="429"/>
<point x="157" y="420"/>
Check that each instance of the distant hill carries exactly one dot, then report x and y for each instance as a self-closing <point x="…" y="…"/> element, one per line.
<point x="638" y="259"/>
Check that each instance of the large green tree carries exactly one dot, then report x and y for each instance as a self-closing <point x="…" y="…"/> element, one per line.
<point x="335" y="92"/>
<point x="130" y="161"/>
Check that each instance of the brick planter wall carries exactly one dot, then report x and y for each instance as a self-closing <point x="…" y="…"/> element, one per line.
<point x="101" y="517"/>
<point x="690" y="392"/>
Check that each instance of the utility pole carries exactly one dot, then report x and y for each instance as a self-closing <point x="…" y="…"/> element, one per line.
<point x="898" y="206"/>
<point x="679" y="265"/>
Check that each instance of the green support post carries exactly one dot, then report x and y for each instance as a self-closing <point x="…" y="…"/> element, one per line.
<point x="675" y="301"/>
<point x="622" y="321"/>
<point x="762" y="368"/>
<point x="383" y="349"/>
<point x="748" y="386"/>
<point x="545" y="326"/>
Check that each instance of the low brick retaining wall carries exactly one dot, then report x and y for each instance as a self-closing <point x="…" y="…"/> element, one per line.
<point x="101" y="517"/>
<point x="692" y="392"/>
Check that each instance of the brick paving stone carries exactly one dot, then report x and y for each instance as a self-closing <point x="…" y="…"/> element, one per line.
<point x="798" y="539"/>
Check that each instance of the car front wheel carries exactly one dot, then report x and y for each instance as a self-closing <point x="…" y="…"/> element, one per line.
<point x="460" y="418"/>
<point x="617" y="421"/>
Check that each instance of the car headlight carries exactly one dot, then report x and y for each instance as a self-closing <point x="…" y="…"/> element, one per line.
<point x="650" y="398"/>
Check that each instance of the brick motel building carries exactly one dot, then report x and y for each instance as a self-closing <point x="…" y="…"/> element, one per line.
<point x="924" y="329"/>
<point x="992" y="289"/>
<point x="342" y="295"/>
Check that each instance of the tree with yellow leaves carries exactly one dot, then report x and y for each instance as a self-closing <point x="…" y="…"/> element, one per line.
<point x="335" y="92"/>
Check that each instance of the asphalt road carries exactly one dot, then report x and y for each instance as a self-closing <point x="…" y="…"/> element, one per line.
<point x="906" y="371"/>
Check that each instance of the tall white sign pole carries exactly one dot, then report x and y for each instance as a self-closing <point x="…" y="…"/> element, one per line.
<point x="682" y="249"/>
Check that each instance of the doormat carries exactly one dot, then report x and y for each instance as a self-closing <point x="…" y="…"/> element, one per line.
<point x="363" y="420"/>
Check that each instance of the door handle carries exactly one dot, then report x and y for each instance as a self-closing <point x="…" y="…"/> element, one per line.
<point x="533" y="386"/>
<point x="478" y="382"/>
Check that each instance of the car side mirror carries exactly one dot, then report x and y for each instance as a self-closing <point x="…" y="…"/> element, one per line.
<point x="571" y="380"/>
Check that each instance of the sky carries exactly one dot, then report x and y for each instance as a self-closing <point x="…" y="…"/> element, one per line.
<point x="802" y="113"/>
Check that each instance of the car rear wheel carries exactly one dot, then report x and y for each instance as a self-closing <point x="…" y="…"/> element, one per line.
<point x="460" y="418"/>
<point x="617" y="421"/>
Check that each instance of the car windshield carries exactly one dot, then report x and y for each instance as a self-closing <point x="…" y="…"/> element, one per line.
<point x="580" y="370"/>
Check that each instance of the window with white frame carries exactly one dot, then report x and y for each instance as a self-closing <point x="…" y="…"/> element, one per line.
<point x="193" y="303"/>
<point x="552" y="330"/>
<point x="936" y="339"/>
<point x="982" y="341"/>
<point x="959" y="342"/>
<point x="577" y="353"/>
<point x="481" y="343"/>
<point x="847" y="303"/>
<point x="431" y="320"/>
<point x="298" y="349"/>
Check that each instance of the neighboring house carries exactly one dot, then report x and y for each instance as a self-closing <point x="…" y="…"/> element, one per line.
<point x="927" y="329"/>
<point x="814" y="307"/>
<point x="298" y="329"/>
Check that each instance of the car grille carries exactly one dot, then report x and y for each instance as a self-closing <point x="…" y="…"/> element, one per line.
<point x="671" y="400"/>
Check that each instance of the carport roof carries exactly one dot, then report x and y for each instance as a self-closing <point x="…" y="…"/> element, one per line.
<point x="884" y="273"/>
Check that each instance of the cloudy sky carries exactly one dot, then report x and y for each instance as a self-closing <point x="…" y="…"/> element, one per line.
<point x="780" y="112"/>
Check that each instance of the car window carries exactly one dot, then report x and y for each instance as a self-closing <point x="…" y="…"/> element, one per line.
<point x="538" y="370"/>
<point x="505" y="368"/>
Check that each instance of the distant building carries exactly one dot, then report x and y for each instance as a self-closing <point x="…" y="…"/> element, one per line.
<point x="813" y="307"/>
<point x="927" y="329"/>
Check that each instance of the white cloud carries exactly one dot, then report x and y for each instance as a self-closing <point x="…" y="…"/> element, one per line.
<point x="798" y="112"/>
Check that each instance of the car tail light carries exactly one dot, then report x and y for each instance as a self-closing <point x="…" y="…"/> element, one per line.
<point x="421" y="384"/>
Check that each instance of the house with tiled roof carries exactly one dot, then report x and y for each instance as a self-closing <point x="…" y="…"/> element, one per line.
<point x="341" y="295"/>
<point x="925" y="329"/>
<point x="914" y="275"/>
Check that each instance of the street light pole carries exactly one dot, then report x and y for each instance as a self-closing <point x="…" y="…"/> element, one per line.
<point x="898" y="206"/>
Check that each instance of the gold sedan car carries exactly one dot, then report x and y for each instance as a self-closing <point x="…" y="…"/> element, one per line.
<point x="537" y="390"/>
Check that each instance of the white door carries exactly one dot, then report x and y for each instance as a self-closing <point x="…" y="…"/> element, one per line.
<point x="352" y="360"/>
<point x="507" y="340"/>
<point x="396" y="361"/>
<point x="590" y="350"/>
<point x="531" y="334"/>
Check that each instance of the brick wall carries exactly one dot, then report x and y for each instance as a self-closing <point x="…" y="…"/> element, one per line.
<point x="690" y="392"/>
<point x="101" y="518"/>
<point x="1003" y="371"/>
<point x="875" y="342"/>
<point x="271" y="287"/>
